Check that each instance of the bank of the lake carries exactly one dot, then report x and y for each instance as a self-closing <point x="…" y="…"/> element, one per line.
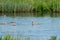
<point x="30" y="6"/>
<point x="9" y="37"/>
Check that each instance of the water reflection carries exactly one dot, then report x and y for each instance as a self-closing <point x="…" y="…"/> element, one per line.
<point x="39" y="14"/>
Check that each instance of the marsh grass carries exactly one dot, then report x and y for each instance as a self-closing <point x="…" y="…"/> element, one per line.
<point x="30" y="5"/>
<point x="9" y="37"/>
<point x="53" y="38"/>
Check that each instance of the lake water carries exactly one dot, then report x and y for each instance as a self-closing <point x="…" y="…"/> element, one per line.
<point x="49" y="26"/>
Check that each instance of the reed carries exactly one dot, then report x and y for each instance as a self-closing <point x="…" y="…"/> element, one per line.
<point x="30" y="5"/>
<point x="9" y="37"/>
<point x="53" y="38"/>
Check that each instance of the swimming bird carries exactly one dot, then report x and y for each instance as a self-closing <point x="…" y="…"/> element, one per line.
<point x="34" y="23"/>
<point x="4" y="23"/>
<point x="13" y="24"/>
<point x="12" y="21"/>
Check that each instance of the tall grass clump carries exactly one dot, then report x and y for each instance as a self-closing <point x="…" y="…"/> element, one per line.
<point x="9" y="37"/>
<point x="53" y="38"/>
<point x="30" y="5"/>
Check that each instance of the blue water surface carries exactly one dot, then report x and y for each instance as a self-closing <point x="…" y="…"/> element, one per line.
<point x="48" y="27"/>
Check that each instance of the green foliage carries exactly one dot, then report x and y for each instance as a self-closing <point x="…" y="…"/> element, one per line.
<point x="9" y="37"/>
<point x="53" y="38"/>
<point x="30" y="5"/>
<point x="0" y="38"/>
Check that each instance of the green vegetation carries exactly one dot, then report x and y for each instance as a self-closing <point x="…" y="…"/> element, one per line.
<point x="30" y="5"/>
<point x="8" y="37"/>
<point x="53" y="38"/>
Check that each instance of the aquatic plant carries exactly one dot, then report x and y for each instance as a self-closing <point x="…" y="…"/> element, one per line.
<point x="9" y="37"/>
<point x="53" y="38"/>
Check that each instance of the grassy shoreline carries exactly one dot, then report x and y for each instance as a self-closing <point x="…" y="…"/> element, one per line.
<point x="30" y="5"/>
<point x="21" y="11"/>
<point x="9" y="37"/>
